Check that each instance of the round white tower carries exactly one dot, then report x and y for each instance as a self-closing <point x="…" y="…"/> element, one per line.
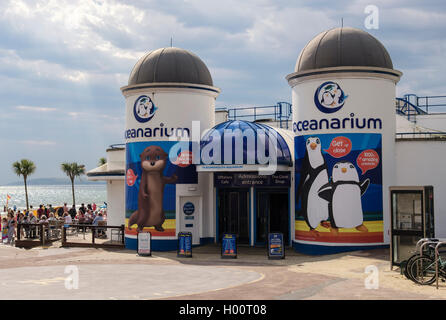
<point x="168" y="89"/>
<point x="343" y="95"/>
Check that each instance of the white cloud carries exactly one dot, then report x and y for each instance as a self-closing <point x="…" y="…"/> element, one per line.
<point x="64" y="61"/>
<point x="38" y="142"/>
<point x="36" y="109"/>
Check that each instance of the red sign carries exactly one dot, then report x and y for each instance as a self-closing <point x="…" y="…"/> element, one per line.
<point x="367" y="160"/>
<point x="184" y="159"/>
<point x="339" y="147"/>
<point x="131" y="177"/>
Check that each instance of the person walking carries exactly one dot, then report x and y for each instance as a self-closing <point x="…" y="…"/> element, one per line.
<point x="11" y="229"/>
<point x="40" y="211"/>
<point x="32" y="229"/>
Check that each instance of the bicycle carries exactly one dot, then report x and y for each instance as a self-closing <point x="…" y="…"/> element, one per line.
<point x="423" y="270"/>
<point x="428" y="252"/>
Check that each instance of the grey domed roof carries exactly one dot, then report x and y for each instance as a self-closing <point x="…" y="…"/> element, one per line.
<point x="170" y="65"/>
<point x="341" y="47"/>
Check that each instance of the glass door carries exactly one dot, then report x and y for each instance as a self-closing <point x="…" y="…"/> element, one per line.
<point x="233" y="213"/>
<point x="272" y="214"/>
<point x="407" y="223"/>
<point x="262" y="218"/>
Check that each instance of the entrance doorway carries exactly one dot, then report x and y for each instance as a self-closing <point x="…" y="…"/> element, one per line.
<point x="272" y="214"/>
<point x="233" y="213"/>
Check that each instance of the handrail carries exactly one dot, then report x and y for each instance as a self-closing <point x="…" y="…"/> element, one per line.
<point x="420" y="104"/>
<point x="428" y="241"/>
<point x="406" y="108"/>
<point x="280" y="112"/>
<point x="420" y="134"/>
<point x="93" y="229"/>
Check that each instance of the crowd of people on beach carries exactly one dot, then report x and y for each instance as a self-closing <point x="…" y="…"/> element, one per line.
<point x="84" y="215"/>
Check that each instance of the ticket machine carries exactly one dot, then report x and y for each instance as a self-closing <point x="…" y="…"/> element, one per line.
<point x="412" y="218"/>
<point x="190" y="211"/>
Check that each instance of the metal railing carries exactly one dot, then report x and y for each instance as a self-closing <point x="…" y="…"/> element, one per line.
<point x="44" y="232"/>
<point x="117" y="146"/>
<point x="95" y="230"/>
<point x="412" y="106"/>
<point x="407" y="109"/>
<point x="279" y="113"/>
<point x="432" y="104"/>
<point x="421" y="135"/>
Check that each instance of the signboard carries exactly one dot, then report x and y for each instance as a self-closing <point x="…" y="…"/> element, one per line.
<point x="188" y="208"/>
<point x="144" y="244"/>
<point x="184" y="245"/>
<point x="275" y="246"/>
<point x="229" y="246"/>
<point x="248" y="179"/>
<point x="351" y="199"/>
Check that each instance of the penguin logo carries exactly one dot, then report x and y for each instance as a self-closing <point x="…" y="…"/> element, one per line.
<point x="144" y="109"/>
<point x="313" y="176"/>
<point x="344" y="194"/>
<point x="329" y="97"/>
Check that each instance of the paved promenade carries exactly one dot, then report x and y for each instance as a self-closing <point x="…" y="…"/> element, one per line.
<point x="79" y="273"/>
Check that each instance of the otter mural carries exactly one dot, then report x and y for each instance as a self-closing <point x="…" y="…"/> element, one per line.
<point x="150" y="211"/>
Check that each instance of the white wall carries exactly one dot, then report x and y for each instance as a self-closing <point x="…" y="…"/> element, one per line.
<point x="437" y="122"/>
<point x="116" y="159"/>
<point x="221" y="116"/>
<point x="420" y="163"/>
<point x="115" y="202"/>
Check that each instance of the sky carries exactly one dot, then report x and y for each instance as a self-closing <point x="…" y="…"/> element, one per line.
<point x="62" y="63"/>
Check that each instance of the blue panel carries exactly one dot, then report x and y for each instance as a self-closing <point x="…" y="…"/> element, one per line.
<point x="208" y="240"/>
<point x="164" y="245"/>
<point x="157" y="245"/>
<point x="312" y="249"/>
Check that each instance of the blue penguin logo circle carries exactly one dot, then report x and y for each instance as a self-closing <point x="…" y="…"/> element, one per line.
<point x="329" y="97"/>
<point x="144" y="109"/>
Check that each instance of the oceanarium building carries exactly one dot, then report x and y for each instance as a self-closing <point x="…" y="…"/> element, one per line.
<point x="340" y="150"/>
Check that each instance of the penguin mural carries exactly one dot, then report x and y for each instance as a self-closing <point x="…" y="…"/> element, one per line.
<point x="344" y="194"/>
<point x="313" y="176"/>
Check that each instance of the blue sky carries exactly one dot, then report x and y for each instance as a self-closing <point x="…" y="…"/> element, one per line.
<point x="62" y="62"/>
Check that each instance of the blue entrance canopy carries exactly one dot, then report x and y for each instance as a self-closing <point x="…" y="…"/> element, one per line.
<point x="254" y="140"/>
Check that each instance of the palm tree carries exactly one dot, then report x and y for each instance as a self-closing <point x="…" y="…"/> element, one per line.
<point x="73" y="170"/>
<point x="24" y="168"/>
<point x="102" y="161"/>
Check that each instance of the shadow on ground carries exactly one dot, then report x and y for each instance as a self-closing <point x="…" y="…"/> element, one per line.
<point x="256" y="256"/>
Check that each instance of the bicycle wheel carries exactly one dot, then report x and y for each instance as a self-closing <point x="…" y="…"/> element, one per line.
<point x="406" y="267"/>
<point x="406" y="270"/>
<point x="422" y="270"/>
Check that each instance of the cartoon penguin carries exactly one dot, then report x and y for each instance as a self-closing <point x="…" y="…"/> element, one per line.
<point x="336" y="96"/>
<point x="327" y="99"/>
<point x="344" y="194"/>
<point x="313" y="176"/>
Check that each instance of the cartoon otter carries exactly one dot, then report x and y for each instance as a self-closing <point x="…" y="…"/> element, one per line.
<point x="151" y="190"/>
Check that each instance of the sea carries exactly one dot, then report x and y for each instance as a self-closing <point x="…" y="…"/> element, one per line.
<point x="56" y="195"/>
